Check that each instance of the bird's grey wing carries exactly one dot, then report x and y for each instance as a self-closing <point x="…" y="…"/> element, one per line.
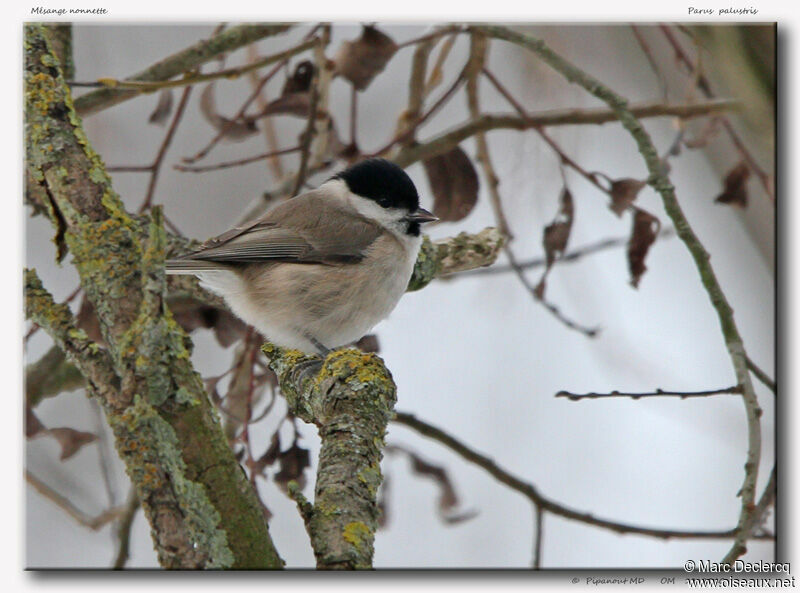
<point x="307" y="229"/>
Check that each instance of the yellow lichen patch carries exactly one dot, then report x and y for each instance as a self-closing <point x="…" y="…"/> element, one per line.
<point x="357" y="534"/>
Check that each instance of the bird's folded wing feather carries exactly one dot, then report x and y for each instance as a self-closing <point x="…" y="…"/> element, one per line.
<point x="305" y="229"/>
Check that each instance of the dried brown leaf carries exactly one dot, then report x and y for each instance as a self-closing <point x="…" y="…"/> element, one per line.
<point x="163" y="108"/>
<point x="300" y="80"/>
<point x="623" y="193"/>
<point x="292" y="104"/>
<point x="735" y="191"/>
<point x="448" y="500"/>
<point x="191" y="315"/>
<point x="71" y="440"/>
<point x="233" y="131"/>
<point x="293" y="463"/>
<point x="33" y="425"/>
<point x="556" y="234"/>
<point x="454" y="184"/>
<point x="362" y="59"/>
<point x="644" y="233"/>
<point x="270" y="456"/>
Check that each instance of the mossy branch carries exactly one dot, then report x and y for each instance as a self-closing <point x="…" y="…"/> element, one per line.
<point x="660" y="181"/>
<point x="350" y="400"/>
<point x="178" y="63"/>
<point x="202" y="511"/>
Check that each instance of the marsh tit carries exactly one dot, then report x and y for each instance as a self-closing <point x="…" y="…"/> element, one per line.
<point x="320" y="270"/>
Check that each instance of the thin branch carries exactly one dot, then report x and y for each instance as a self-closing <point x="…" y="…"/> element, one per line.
<point x="537" y="537"/>
<point x="650" y="59"/>
<point x="762" y="376"/>
<point x="155" y="168"/>
<point x="554" y="117"/>
<point x="308" y="133"/>
<point x="192" y="79"/>
<point x="270" y="136"/>
<point x="735" y="389"/>
<point x="236" y="163"/>
<point x="430" y="36"/>
<point x="123" y="530"/>
<point x="565" y="159"/>
<point x="572" y="256"/>
<point x="93" y="523"/>
<point x="660" y="181"/>
<point x="183" y="61"/>
<point x="532" y="493"/>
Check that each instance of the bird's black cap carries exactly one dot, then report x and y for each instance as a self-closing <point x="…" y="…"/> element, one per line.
<point x="382" y="181"/>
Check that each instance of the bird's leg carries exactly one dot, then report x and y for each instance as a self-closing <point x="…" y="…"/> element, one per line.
<point x="309" y="368"/>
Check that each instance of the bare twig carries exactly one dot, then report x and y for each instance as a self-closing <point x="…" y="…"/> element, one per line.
<point x="537" y="537"/>
<point x="762" y="376"/>
<point x="651" y="60"/>
<point x="275" y="164"/>
<point x="64" y="504"/>
<point x="123" y="529"/>
<point x="431" y="36"/>
<point x="572" y="256"/>
<point x="192" y="79"/>
<point x="539" y="130"/>
<point x="556" y="117"/>
<point x="155" y="168"/>
<point x="236" y="163"/>
<point x="532" y="493"/>
<point x="735" y="389"/>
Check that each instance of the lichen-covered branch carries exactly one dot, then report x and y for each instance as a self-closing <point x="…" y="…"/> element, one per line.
<point x="463" y="252"/>
<point x="659" y="180"/>
<point x="91" y="362"/>
<point x="201" y="509"/>
<point x="350" y="400"/>
<point x="183" y="61"/>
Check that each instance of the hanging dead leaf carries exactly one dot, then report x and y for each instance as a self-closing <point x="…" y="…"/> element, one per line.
<point x="362" y="59"/>
<point x="293" y="462"/>
<point x="644" y="233"/>
<point x="233" y="131"/>
<point x="300" y="80"/>
<point x="735" y="192"/>
<point x="191" y="315"/>
<point x="163" y="108"/>
<point x="292" y="104"/>
<point x="448" y="500"/>
<point x="270" y="456"/>
<point x="556" y="234"/>
<point x="71" y="440"/>
<point x="33" y="425"/>
<point x="454" y="184"/>
<point x="623" y="193"/>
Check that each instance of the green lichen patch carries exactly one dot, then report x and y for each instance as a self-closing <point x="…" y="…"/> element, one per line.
<point x="426" y="267"/>
<point x="148" y="443"/>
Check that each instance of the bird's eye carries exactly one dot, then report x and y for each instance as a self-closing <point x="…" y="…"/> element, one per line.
<point x="384" y="203"/>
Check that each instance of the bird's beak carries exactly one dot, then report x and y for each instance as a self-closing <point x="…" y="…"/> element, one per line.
<point x="421" y="215"/>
